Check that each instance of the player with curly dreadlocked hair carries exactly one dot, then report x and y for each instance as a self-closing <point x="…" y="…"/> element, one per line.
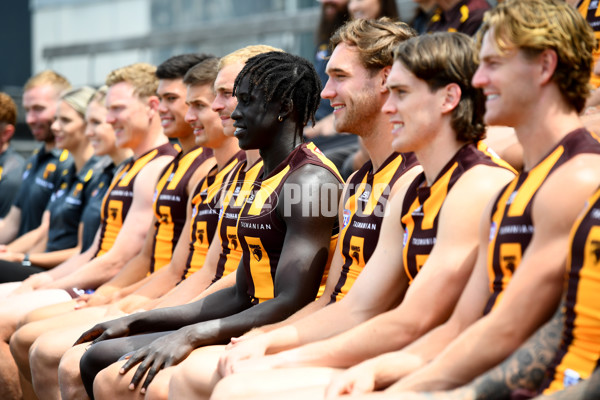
<point x="286" y="76"/>
<point x="277" y="94"/>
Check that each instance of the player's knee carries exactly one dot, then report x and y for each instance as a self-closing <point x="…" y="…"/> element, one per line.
<point x="68" y="367"/>
<point x="19" y="346"/>
<point x="227" y="388"/>
<point x="106" y="385"/>
<point x="157" y="392"/>
<point x="69" y="379"/>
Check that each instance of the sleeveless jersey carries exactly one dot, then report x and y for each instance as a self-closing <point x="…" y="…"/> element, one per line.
<point x="579" y="352"/>
<point x="115" y="205"/>
<point x="422" y="205"/>
<point x="262" y="231"/>
<point x="170" y="200"/>
<point x="365" y="202"/>
<point x="205" y="215"/>
<point x="590" y="11"/>
<point x="511" y="225"/>
<point x="237" y="191"/>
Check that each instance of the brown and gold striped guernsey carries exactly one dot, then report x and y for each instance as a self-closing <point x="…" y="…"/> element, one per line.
<point x="237" y="192"/>
<point x="205" y="213"/>
<point x="579" y="352"/>
<point x="261" y="231"/>
<point x="365" y="201"/>
<point x="511" y="225"/>
<point x="591" y="12"/>
<point x="115" y="205"/>
<point x="422" y="204"/>
<point x="170" y="199"/>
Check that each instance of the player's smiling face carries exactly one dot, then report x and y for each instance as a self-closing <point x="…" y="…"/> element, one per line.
<point x="415" y="111"/>
<point x="509" y="83"/>
<point x="352" y="91"/>
<point x="172" y="107"/>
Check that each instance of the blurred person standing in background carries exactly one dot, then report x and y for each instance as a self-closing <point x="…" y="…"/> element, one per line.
<point x="11" y="163"/>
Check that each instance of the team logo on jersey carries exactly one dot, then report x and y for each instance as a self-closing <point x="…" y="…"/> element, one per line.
<point x="365" y="195"/>
<point x="418" y="211"/>
<point x="256" y="252"/>
<point x="200" y="235"/>
<point x="405" y="238"/>
<point x="171" y="177"/>
<point x="509" y="262"/>
<point x="596" y="249"/>
<point x="113" y="212"/>
<point x="78" y="189"/>
<point x="50" y="168"/>
<point x="346" y="218"/>
<point x="493" y="228"/>
<point x="511" y="197"/>
<point x="233" y="241"/>
<point x="194" y="212"/>
<point x="355" y="253"/>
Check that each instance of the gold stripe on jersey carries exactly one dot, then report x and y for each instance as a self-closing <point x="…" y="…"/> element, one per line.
<point x="121" y="191"/>
<point x="488" y="151"/>
<point x="323" y="158"/>
<point x="114" y="209"/>
<point x="509" y="255"/>
<point x="591" y="12"/>
<point x="165" y="229"/>
<point x="511" y="227"/>
<point x="359" y="232"/>
<point x="579" y="351"/>
<point x="258" y="218"/>
<point x="206" y="197"/>
<point x="532" y="183"/>
<point x="260" y="270"/>
<point x="422" y="205"/>
<point x="137" y="166"/>
<point x="430" y="208"/>
<point x="113" y="226"/>
<point x="184" y="164"/>
<point x="169" y="204"/>
<point x="231" y="249"/>
<point x="200" y="240"/>
<point x="266" y="190"/>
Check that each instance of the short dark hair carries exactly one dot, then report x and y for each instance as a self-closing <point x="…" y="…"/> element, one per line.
<point x="203" y="73"/>
<point x="175" y="67"/>
<point x="286" y="76"/>
<point x="443" y="58"/>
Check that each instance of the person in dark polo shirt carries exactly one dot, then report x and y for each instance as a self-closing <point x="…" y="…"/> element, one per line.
<point x="47" y="164"/>
<point x="11" y="162"/>
<point x="463" y="16"/>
